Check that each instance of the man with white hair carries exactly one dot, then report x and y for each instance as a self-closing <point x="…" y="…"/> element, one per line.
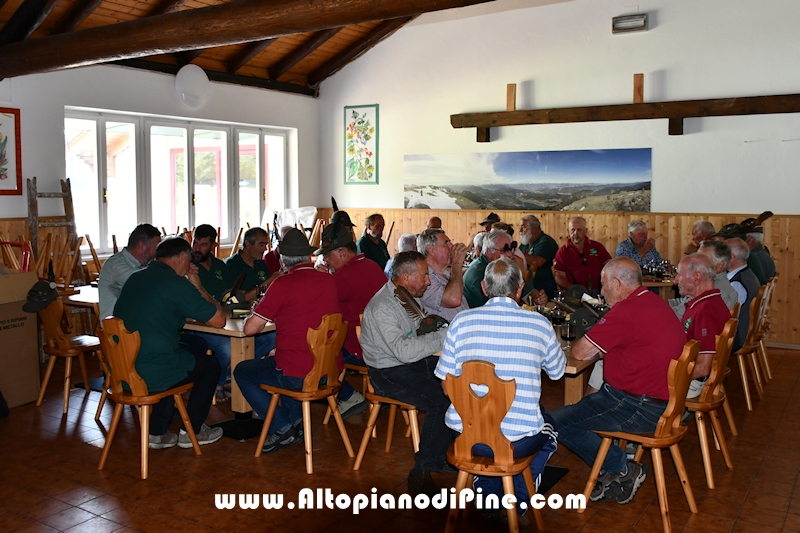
<point x="638" y="339"/>
<point x="746" y="284"/>
<point x="720" y="255"/>
<point x="445" y="295"/>
<point x="496" y="244"/>
<point x="520" y="344"/>
<point x="702" y="230"/>
<point x="406" y="243"/>
<point x="754" y="237"/>
<point x="637" y="246"/>
<point x="705" y="316"/>
<point x="540" y="250"/>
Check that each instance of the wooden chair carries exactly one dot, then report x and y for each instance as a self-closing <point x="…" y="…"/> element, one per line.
<point x="121" y="348"/>
<point x="669" y="432"/>
<point x="95" y="260"/>
<point x="481" y="417"/>
<point x="325" y="343"/>
<point x="58" y="344"/>
<point x="726" y="405"/>
<point x="764" y="328"/>
<point x="236" y="243"/>
<point x="711" y="400"/>
<point x="749" y="350"/>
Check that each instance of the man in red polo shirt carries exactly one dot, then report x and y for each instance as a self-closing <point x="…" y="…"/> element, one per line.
<point x="705" y="316"/>
<point x="581" y="259"/>
<point x="295" y="301"/>
<point x="357" y="280"/>
<point x="638" y="339"/>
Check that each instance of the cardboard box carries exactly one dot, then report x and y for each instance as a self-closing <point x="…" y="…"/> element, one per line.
<point x="19" y="346"/>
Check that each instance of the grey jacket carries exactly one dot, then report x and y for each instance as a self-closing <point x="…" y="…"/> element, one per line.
<point x="388" y="334"/>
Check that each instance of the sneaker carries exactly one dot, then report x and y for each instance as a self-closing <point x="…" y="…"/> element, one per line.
<point x="352" y="406"/>
<point x="282" y="439"/>
<point x="207" y="435"/>
<point x="630" y="482"/>
<point x="421" y="483"/>
<point x="606" y="488"/>
<point x="159" y="442"/>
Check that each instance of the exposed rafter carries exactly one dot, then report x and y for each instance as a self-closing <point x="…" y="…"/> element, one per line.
<point x="356" y="49"/>
<point x="167" y="6"/>
<point x="297" y="55"/>
<point x="184" y="58"/>
<point x="79" y="12"/>
<point x="28" y="16"/>
<point x="232" y="23"/>
<point x="248" y="52"/>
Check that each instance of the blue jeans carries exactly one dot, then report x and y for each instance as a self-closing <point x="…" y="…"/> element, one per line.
<point x="221" y="346"/>
<point x="543" y="444"/>
<point x="347" y="390"/>
<point x="252" y="373"/>
<point x="607" y="410"/>
<point x="415" y="384"/>
<point x="203" y="375"/>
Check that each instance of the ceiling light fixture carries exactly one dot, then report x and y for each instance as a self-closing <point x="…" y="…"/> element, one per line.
<point x="629" y="23"/>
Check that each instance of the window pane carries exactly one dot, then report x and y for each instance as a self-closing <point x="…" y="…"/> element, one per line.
<point x="211" y="179"/>
<point x="249" y="204"/>
<point x="169" y="187"/>
<point x="120" y="180"/>
<point x="274" y="171"/>
<point x="80" y="146"/>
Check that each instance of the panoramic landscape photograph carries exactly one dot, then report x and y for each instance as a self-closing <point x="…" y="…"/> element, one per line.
<point x="572" y="180"/>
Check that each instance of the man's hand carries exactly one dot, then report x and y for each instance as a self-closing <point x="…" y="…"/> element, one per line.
<point x="690" y="248"/>
<point x="539" y="297"/>
<point x="649" y="245"/>
<point x="193" y="278"/>
<point x="457" y="255"/>
<point x="194" y="269"/>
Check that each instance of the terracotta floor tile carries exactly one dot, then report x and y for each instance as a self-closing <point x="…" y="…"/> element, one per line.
<point x="67" y="518"/>
<point x="95" y="525"/>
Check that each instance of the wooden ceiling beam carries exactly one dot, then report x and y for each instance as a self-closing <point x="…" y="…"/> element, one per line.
<point x="674" y="111"/>
<point x="79" y="12"/>
<point x="363" y="44"/>
<point x="167" y="6"/>
<point x="248" y="52"/>
<point x="236" y="22"/>
<point x="299" y="53"/>
<point x="184" y="58"/>
<point x="24" y="21"/>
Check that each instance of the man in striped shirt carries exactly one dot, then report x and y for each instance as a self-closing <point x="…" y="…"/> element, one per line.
<point x="520" y="343"/>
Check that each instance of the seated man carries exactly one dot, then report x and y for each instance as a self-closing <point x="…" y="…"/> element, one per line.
<point x="581" y="259"/>
<point x="249" y="261"/>
<point x="156" y="302"/>
<point x="216" y="280"/>
<point x="638" y="338"/>
<point x="490" y="220"/>
<point x="540" y="250"/>
<point x="357" y="280"/>
<point x="720" y="255"/>
<point x="520" y="343"/>
<point x="746" y="285"/>
<point x="272" y="258"/>
<point x="496" y="244"/>
<point x="445" y="296"/>
<point x="434" y="223"/>
<point x="117" y="269"/>
<point x="702" y="230"/>
<point x="735" y="231"/>
<point x="406" y="243"/>
<point x="754" y="237"/>
<point x="637" y="246"/>
<point x="401" y="361"/>
<point x="371" y="244"/>
<point x="706" y="314"/>
<point x="295" y="302"/>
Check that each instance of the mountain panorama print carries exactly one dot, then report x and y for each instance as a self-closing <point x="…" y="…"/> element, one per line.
<point x="572" y="180"/>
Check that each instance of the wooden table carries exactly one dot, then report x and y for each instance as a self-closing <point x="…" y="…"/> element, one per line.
<point x="575" y="378"/>
<point x="664" y="287"/>
<point x="87" y="297"/>
<point x="242" y="348"/>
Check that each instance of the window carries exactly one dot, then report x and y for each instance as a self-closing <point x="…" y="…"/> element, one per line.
<point x="175" y="174"/>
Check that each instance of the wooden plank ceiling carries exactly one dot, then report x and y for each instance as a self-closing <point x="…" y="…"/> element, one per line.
<point x="250" y="42"/>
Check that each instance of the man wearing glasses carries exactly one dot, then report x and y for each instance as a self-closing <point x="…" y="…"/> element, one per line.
<point x="580" y="260"/>
<point x="496" y="244"/>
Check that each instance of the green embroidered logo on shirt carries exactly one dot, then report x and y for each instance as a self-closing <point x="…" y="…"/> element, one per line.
<point x="686" y="324"/>
<point x="262" y="275"/>
<point x="218" y="274"/>
<point x="592" y="251"/>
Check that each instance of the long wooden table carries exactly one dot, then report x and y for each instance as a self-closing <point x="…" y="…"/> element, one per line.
<point x="242" y="348"/>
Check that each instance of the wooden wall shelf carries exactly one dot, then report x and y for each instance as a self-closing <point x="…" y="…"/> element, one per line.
<point x="674" y="111"/>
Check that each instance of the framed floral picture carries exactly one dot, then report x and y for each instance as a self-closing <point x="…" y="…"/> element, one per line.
<point x="10" y="153"/>
<point x="361" y="144"/>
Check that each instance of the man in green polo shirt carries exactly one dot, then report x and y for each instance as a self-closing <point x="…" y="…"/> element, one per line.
<point x="371" y="244"/>
<point x="540" y="250"/>
<point x="249" y="260"/>
<point x="216" y="280"/>
<point x="156" y="302"/>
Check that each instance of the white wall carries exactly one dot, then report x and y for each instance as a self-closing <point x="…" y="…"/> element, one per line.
<point x="564" y="55"/>
<point x="41" y="100"/>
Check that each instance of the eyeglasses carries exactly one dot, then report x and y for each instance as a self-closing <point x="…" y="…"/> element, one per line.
<point x="509" y="248"/>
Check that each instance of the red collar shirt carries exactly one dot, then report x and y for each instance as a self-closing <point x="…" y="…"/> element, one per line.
<point x="580" y="265"/>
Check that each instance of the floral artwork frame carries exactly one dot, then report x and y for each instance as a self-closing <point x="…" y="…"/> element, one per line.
<point x="10" y="153"/>
<point x="361" y="144"/>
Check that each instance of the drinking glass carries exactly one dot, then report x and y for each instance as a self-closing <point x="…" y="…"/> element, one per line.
<point x="568" y="332"/>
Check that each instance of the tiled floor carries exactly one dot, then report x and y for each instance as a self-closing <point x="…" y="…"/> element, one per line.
<point x="49" y="479"/>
